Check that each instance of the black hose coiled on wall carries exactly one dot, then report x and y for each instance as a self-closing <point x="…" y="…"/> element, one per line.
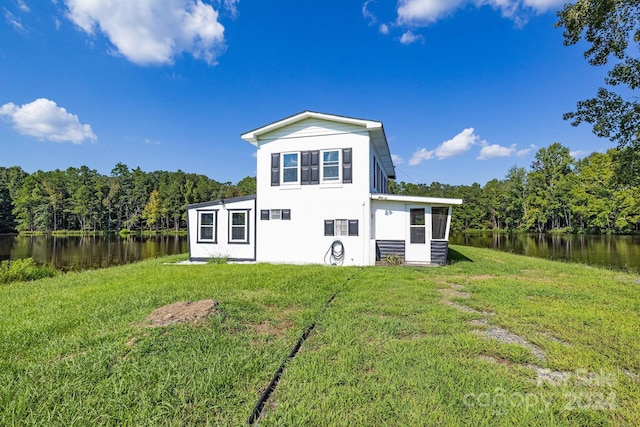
<point x="335" y="253"/>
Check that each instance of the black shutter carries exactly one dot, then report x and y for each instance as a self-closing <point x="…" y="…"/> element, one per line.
<point x="353" y="227"/>
<point x="315" y="167"/>
<point x="305" y="167"/>
<point x="286" y="214"/>
<point x="264" y="214"/>
<point x="347" y="173"/>
<point x="328" y="227"/>
<point x="275" y="169"/>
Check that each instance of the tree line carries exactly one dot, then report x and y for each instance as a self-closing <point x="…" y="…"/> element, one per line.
<point x="557" y="193"/>
<point x="81" y="199"/>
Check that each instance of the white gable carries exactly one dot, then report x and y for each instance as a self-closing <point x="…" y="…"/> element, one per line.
<point x="310" y="127"/>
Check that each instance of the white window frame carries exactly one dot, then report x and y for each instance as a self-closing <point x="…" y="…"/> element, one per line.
<point x="333" y="163"/>
<point x="213" y="226"/>
<point x="284" y="168"/>
<point x="415" y="225"/>
<point x="341" y="227"/>
<point x="244" y="226"/>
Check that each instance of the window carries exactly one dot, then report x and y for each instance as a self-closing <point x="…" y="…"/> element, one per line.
<point x="417" y="226"/>
<point x="439" y="221"/>
<point x="207" y="226"/>
<point x="290" y="168"/>
<point x="276" y="214"/>
<point x="238" y="227"/>
<point x="330" y="166"/>
<point x="286" y="214"/>
<point x="340" y="227"/>
<point x="264" y="214"/>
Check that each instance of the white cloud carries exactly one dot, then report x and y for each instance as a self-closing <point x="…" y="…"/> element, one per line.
<point x="368" y="15"/>
<point x="459" y="144"/>
<point x="44" y="120"/>
<point x="397" y="160"/>
<point x="409" y="37"/>
<point x="420" y="156"/>
<point x="424" y="12"/>
<point x="232" y="7"/>
<point x="525" y="151"/>
<point x="150" y="141"/>
<point x="495" y="150"/>
<point x="14" y="21"/>
<point x="384" y="29"/>
<point x="151" y="32"/>
<point x="578" y="153"/>
<point x="23" y="6"/>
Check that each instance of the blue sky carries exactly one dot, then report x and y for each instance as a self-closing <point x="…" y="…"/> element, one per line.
<point x="465" y="89"/>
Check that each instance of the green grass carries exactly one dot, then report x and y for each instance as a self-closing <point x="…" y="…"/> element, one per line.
<point x="23" y="270"/>
<point x="74" y="349"/>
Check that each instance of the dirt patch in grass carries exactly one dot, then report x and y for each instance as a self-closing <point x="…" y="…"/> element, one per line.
<point x="448" y="293"/>
<point x="273" y="328"/>
<point x="182" y="312"/>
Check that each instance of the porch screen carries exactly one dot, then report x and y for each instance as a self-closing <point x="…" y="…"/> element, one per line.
<point x="439" y="222"/>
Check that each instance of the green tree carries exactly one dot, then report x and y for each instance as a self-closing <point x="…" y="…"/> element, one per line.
<point x="495" y="194"/>
<point x="247" y="186"/>
<point x="515" y="188"/>
<point x="611" y="30"/>
<point x="10" y="182"/>
<point x="548" y="189"/>
<point x="152" y="211"/>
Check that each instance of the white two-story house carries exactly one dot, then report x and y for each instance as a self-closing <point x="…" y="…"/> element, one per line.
<point x="322" y="197"/>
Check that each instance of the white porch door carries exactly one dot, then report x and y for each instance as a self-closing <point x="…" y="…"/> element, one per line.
<point x="418" y="235"/>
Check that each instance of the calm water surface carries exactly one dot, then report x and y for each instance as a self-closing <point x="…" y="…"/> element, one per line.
<point x="89" y="252"/>
<point x="618" y="252"/>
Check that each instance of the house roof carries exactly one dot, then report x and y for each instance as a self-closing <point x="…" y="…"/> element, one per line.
<point x="374" y="128"/>
<point x="220" y="202"/>
<point x="416" y="199"/>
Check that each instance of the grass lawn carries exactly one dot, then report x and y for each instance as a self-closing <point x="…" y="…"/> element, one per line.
<point x="397" y="345"/>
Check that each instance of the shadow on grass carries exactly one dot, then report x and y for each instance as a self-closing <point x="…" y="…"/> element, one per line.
<point x="454" y="257"/>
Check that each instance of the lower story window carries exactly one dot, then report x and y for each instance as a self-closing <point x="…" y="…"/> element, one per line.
<point x="238" y="227"/>
<point x="207" y="226"/>
<point x="340" y="227"/>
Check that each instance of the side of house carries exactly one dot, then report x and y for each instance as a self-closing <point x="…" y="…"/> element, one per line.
<point x="322" y="184"/>
<point x="315" y="175"/>
<point x="222" y="229"/>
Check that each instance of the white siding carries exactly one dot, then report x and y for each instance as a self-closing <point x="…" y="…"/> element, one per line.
<point x="301" y="239"/>
<point x="311" y="127"/>
<point x="222" y="247"/>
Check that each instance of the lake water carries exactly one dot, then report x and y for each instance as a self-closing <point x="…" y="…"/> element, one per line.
<point x="89" y="252"/>
<point x="617" y="252"/>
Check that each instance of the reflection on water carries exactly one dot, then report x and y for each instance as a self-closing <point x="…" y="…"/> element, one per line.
<point x="618" y="252"/>
<point x="88" y="252"/>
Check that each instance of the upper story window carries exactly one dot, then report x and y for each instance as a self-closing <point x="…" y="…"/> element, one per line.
<point x="290" y="166"/>
<point x="331" y="166"/>
<point x="312" y="167"/>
